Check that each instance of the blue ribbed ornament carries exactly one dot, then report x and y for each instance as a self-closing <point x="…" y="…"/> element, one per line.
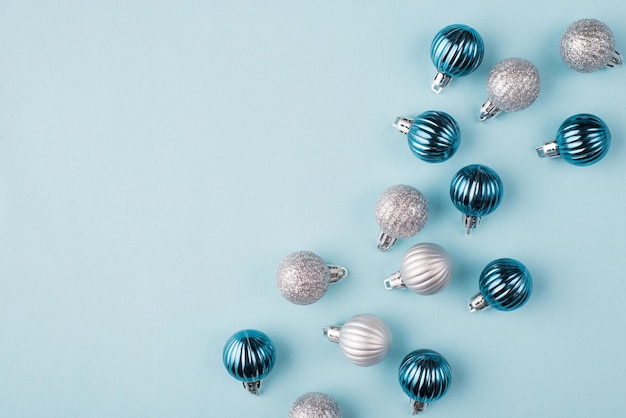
<point x="249" y="356"/>
<point x="425" y="376"/>
<point x="433" y="136"/>
<point x="505" y="284"/>
<point x="476" y="190"/>
<point x="582" y="139"/>
<point x="456" y="51"/>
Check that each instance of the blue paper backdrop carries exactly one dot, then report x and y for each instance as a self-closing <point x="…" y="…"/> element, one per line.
<point x="159" y="158"/>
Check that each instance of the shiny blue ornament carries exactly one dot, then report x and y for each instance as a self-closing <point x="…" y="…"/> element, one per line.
<point x="505" y="284"/>
<point x="456" y="51"/>
<point x="582" y="139"/>
<point x="433" y="136"/>
<point x="425" y="376"/>
<point x="249" y="356"/>
<point x="476" y="190"/>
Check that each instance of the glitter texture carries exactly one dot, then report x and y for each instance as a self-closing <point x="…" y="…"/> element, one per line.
<point x="513" y="84"/>
<point x="401" y="211"/>
<point x="315" y="405"/>
<point x="587" y="45"/>
<point x="302" y="277"/>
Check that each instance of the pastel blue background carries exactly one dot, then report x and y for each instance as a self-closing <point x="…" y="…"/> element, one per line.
<point x="159" y="158"/>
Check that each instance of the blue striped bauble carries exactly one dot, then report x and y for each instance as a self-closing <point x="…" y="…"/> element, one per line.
<point x="434" y="136"/>
<point x="249" y="356"/>
<point x="476" y="190"/>
<point x="505" y="284"/>
<point x="425" y="376"/>
<point x="583" y="139"/>
<point x="456" y="51"/>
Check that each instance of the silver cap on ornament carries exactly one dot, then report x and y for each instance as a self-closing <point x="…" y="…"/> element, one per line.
<point x="513" y="84"/>
<point x="588" y="45"/>
<point x="401" y="212"/>
<point x="303" y="277"/>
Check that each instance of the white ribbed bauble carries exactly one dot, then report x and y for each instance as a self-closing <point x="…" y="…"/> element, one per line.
<point x="364" y="339"/>
<point x="425" y="269"/>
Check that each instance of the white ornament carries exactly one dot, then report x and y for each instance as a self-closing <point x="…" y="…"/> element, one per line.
<point x="364" y="339"/>
<point x="425" y="269"/>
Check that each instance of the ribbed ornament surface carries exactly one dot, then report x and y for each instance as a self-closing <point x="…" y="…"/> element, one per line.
<point x="457" y="50"/>
<point x="425" y="375"/>
<point x="249" y="355"/>
<point x="505" y="284"/>
<point x="434" y="136"/>
<point x="476" y="190"/>
<point x="426" y="268"/>
<point x="365" y="339"/>
<point x="583" y="139"/>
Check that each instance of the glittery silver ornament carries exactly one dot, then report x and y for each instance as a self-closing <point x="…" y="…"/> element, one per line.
<point x="425" y="269"/>
<point x="401" y="212"/>
<point x="315" y="405"/>
<point x="303" y="277"/>
<point x="588" y="45"/>
<point x="364" y="339"/>
<point x="513" y="84"/>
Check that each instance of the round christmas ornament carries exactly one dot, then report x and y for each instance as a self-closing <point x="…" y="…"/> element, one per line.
<point x="433" y="136"/>
<point x="425" y="269"/>
<point x="401" y="212"/>
<point x="476" y="190"/>
<point x="249" y="356"/>
<point x="364" y="339"/>
<point x="505" y="284"/>
<point x="581" y="140"/>
<point x="425" y="376"/>
<point x="303" y="277"/>
<point x="513" y="84"/>
<point x="456" y="51"/>
<point x="315" y="405"/>
<point x="588" y="45"/>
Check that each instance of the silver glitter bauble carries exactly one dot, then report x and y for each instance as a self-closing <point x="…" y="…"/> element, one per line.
<point x="364" y="339"/>
<point x="315" y="405"/>
<point x="513" y="84"/>
<point x="588" y="45"/>
<point x="426" y="269"/>
<point x="401" y="212"/>
<point x="303" y="277"/>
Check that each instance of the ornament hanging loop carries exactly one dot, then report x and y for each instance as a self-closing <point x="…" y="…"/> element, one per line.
<point x="549" y="150"/>
<point x="418" y="406"/>
<point x="440" y="81"/>
<point x="403" y="124"/>
<point x="385" y="242"/>
<point x="488" y="110"/>
<point x="337" y="273"/>
<point x="394" y="281"/>
<point x="253" y="387"/>
<point x="470" y="222"/>
<point x="478" y="303"/>
<point x="332" y="333"/>
<point x="615" y="61"/>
